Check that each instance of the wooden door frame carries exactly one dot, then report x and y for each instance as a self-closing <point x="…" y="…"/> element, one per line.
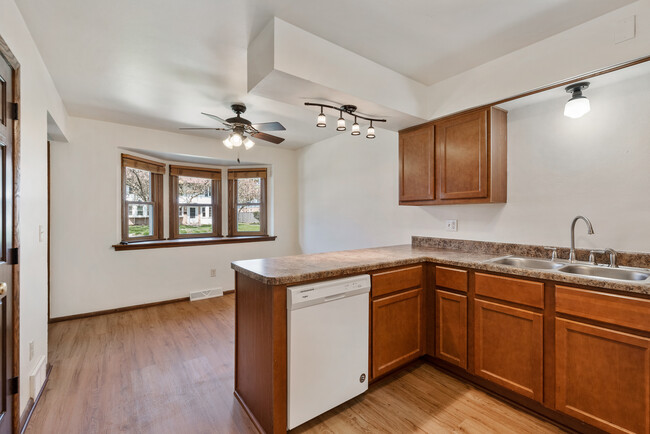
<point x="6" y="53"/>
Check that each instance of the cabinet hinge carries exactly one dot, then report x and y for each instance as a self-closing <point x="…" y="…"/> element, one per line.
<point x="13" y="110"/>
<point x="12" y="255"/>
<point x="13" y="385"/>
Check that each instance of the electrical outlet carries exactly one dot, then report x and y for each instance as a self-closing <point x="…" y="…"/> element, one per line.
<point x="31" y="350"/>
<point x="452" y="225"/>
<point x="213" y="272"/>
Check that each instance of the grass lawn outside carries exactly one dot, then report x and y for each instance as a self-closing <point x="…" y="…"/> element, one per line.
<point x="139" y="231"/>
<point x="188" y="229"/>
<point x="247" y="227"/>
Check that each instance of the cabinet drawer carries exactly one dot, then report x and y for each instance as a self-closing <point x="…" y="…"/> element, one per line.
<point x="508" y="289"/>
<point x="451" y="278"/>
<point x="387" y="282"/>
<point x="610" y="308"/>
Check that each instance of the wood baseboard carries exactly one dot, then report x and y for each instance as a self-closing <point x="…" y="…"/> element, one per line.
<point x="249" y="413"/>
<point x="31" y="404"/>
<point x="123" y="309"/>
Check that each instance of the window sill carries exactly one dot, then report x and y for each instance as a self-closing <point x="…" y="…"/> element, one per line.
<point x="184" y="242"/>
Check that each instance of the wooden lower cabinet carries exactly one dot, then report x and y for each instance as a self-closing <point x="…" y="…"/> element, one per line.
<point x="508" y="347"/>
<point x="603" y="376"/>
<point x="397" y="330"/>
<point x="451" y="328"/>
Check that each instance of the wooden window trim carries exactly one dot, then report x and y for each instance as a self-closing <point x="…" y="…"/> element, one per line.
<point x="157" y="170"/>
<point x="185" y="242"/>
<point x="195" y="172"/>
<point x="233" y="176"/>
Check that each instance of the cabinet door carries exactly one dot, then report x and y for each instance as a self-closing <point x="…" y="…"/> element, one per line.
<point x="508" y="347"/>
<point x="451" y="328"/>
<point x="603" y="376"/>
<point x="397" y="330"/>
<point x="462" y="156"/>
<point x="416" y="165"/>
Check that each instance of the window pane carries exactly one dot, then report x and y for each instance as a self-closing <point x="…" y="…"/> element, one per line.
<point x="138" y="185"/>
<point x="140" y="221"/>
<point x="249" y="190"/>
<point x="248" y="218"/>
<point x="195" y="220"/>
<point x="194" y="190"/>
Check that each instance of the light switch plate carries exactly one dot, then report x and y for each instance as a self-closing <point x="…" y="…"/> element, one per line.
<point x="452" y="226"/>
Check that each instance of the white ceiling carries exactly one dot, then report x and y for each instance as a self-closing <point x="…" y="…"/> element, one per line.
<point x="159" y="63"/>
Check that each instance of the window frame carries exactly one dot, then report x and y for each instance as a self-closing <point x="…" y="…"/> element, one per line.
<point x="174" y="217"/>
<point x="233" y="176"/>
<point x="157" y="171"/>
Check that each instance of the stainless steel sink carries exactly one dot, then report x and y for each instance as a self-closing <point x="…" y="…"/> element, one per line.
<point x="606" y="273"/>
<point x="523" y="262"/>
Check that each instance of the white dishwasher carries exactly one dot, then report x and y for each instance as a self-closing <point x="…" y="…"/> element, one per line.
<point x="327" y="342"/>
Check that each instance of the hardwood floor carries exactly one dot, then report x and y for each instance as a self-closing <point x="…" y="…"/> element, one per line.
<point x="169" y="369"/>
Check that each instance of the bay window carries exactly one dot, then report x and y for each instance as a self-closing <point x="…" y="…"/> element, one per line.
<point x="141" y="199"/>
<point x="247" y="202"/>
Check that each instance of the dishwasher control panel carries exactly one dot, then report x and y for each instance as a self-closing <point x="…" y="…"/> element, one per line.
<point x="307" y="295"/>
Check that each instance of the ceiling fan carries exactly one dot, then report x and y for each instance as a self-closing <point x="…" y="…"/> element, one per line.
<point x="240" y="127"/>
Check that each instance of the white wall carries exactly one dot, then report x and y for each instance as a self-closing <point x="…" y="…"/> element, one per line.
<point x="88" y="275"/>
<point x="587" y="47"/>
<point x="557" y="168"/>
<point x="38" y="97"/>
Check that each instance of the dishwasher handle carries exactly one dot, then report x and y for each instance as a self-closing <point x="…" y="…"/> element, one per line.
<point x="335" y="296"/>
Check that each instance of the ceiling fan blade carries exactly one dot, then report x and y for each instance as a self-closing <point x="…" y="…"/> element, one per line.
<point x="269" y="126"/>
<point x="216" y="118"/>
<point x="268" y="138"/>
<point x="216" y="129"/>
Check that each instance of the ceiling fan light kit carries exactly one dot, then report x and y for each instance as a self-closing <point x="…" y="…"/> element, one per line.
<point x="350" y="110"/>
<point x="240" y="127"/>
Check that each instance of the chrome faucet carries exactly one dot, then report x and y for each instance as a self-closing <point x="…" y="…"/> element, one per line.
<point x="612" y="257"/>
<point x="590" y="231"/>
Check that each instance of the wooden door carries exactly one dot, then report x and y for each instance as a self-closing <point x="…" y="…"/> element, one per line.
<point x="603" y="376"/>
<point x="416" y="165"/>
<point x="451" y="328"/>
<point x="508" y="347"/>
<point x="462" y="148"/>
<point x="397" y="330"/>
<point x="6" y="243"/>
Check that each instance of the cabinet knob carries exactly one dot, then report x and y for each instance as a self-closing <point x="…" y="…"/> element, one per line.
<point x="3" y="289"/>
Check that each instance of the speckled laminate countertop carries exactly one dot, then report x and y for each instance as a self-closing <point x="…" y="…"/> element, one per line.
<point x="302" y="268"/>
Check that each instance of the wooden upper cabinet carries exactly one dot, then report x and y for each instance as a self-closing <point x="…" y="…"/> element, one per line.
<point x="416" y="169"/>
<point x="462" y="148"/>
<point x="603" y="376"/>
<point x="468" y="161"/>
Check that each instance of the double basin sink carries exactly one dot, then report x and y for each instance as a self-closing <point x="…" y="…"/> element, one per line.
<point x="596" y="271"/>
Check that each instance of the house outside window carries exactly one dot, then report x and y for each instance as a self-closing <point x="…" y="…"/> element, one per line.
<point x="199" y="210"/>
<point x="247" y="202"/>
<point x="141" y="199"/>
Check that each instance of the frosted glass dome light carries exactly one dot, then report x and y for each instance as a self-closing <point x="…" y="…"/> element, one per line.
<point x="578" y="105"/>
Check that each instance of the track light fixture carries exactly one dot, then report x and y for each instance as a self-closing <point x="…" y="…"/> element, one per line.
<point x="371" y="132"/>
<point x="322" y="119"/>
<point x="578" y="105"/>
<point x="355" y="128"/>
<point x="340" y="123"/>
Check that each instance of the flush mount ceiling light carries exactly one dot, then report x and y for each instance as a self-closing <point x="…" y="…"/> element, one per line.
<point x="340" y="123"/>
<point x="240" y="127"/>
<point x="578" y="105"/>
